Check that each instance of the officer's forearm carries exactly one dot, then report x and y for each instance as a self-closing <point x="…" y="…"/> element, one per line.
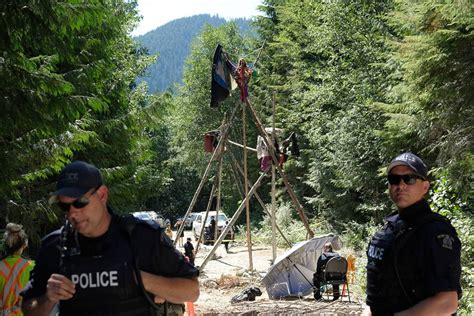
<point x="442" y="303"/>
<point x="39" y="306"/>
<point x="174" y="290"/>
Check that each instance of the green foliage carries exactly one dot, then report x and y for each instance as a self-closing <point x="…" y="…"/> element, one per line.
<point x="357" y="235"/>
<point x="326" y="61"/>
<point x="285" y="220"/>
<point x="433" y="103"/>
<point x="68" y="70"/>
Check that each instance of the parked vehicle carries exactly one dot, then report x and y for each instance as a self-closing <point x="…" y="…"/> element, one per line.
<point x="150" y="216"/>
<point x="188" y="223"/>
<point x="207" y="236"/>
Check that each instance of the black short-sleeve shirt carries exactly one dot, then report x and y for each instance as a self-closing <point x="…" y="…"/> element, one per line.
<point x="441" y="255"/>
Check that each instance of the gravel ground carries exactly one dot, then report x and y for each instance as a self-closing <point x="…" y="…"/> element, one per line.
<point x="227" y="275"/>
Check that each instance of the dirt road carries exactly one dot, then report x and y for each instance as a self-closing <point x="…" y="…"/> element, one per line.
<point x="227" y="275"/>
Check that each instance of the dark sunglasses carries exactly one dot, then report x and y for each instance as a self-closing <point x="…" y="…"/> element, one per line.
<point x="407" y="178"/>
<point x="79" y="203"/>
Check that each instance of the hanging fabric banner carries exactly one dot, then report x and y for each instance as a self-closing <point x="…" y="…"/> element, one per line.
<point x="222" y="79"/>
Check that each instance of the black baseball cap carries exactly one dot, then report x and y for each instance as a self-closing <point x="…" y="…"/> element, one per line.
<point x="77" y="179"/>
<point x="412" y="161"/>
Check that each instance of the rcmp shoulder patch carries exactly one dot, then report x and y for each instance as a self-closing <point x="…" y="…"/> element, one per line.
<point x="446" y="241"/>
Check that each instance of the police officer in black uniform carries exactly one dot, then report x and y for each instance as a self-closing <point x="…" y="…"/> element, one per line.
<point x="413" y="263"/>
<point x="104" y="264"/>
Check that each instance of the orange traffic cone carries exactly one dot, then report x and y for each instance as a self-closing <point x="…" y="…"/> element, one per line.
<point x="190" y="308"/>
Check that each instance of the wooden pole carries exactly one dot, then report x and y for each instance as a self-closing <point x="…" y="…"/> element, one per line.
<point x="260" y="201"/>
<point x="237" y="179"/>
<point x="218" y="202"/>
<point x="215" y="155"/>
<point x="273" y="217"/>
<point x="246" y="188"/>
<point x="204" y="220"/>
<point x="271" y="149"/>
<point x="231" y="223"/>
<point x="239" y="145"/>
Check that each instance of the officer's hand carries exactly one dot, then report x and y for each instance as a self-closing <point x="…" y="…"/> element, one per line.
<point x="59" y="288"/>
<point x="159" y="300"/>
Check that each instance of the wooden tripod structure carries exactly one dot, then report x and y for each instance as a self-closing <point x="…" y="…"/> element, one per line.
<point x="217" y="156"/>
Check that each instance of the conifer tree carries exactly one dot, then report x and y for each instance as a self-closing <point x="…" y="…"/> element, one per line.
<point x="68" y="91"/>
<point x="433" y="106"/>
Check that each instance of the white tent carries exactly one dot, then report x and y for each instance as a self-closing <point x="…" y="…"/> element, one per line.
<point x="292" y="272"/>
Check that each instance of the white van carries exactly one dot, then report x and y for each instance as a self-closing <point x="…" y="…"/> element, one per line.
<point x="197" y="224"/>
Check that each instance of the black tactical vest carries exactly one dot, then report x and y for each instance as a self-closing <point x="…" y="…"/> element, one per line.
<point x="105" y="284"/>
<point x="394" y="266"/>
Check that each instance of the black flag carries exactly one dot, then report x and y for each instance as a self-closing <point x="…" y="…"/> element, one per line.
<point x="222" y="79"/>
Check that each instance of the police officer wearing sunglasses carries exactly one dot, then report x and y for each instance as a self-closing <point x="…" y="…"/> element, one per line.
<point x="98" y="265"/>
<point x="413" y="265"/>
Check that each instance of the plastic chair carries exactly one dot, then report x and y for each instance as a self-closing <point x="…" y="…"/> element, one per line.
<point x="335" y="273"/>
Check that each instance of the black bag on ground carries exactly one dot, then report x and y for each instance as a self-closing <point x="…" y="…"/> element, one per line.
<point x="246" y="295"/>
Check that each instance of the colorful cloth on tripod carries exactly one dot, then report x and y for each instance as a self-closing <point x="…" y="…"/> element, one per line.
<point x="265" y="163"/>
<point x="242" y="76"/>
<point x="14" y="275"/>
<point x="211" y="139"/>
<point x="222" y="80"/>
<point x="262" y="150"/>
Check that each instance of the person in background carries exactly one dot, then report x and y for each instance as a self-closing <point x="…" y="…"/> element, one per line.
<point x="323" y="259"/>
<point x="14" y="269"/>
<point x="212" y="229"/>
<point x="100" y="263"/>
<point x="169" y="231"/>
<point x="413" y="263"/>
<point x="242" y="77"/>
<point x="189" y="250"/>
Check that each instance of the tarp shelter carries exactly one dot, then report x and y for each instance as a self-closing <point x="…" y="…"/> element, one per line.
<point x="292" y="272"/>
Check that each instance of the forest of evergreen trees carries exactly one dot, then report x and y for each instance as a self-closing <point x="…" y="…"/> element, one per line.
<point x="358" y="81"/>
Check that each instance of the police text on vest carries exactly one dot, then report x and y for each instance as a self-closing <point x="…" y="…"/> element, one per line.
<point x="376" y="252"/>
<point x="96" y="279"/>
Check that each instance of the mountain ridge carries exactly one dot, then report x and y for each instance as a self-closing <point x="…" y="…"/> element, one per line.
<point x="172" y="42"/>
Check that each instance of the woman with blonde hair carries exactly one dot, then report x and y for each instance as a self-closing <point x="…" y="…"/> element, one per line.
<point x="169" y="231"/>
<point x="14" y="270"/>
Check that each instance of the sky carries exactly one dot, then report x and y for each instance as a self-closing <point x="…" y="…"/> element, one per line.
<point x="158" y="12"/>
